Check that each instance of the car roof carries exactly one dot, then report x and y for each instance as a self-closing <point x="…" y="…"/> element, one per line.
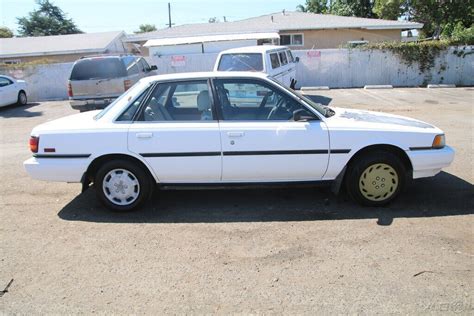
<point x="254" y="49"/>
<point x="205" y="75"/>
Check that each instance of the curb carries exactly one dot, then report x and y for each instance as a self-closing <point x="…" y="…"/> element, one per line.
<point x="381" y="86"/>
<point x="436" y="86"/>
<point x="314" y="88"/>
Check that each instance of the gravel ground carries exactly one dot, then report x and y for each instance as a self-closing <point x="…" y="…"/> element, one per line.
<point x="265" y="251"/>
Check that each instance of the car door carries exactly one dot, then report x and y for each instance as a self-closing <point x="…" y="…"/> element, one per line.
<point x="8" y="91"/>
<point x="177" y="134"/>
<point x="260" y="140"/>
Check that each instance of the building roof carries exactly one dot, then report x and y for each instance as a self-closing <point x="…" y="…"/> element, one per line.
<point x="276" y="22"/>
<point x="57" y="44"/>
<point x="209" y="38"/>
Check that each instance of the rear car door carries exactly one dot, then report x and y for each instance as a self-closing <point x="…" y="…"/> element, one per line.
<point x="177" y="133"/>
<point x="260" y="140"/>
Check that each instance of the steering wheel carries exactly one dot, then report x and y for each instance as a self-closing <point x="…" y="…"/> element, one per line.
<point x="278" y="107"/>
<point x="261" y="106"/>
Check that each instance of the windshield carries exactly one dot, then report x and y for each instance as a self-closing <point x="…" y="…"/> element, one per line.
<point x="98" y="68"/>
<point x="324" y="110"/>
<point x="124" y="98"/>
<point x="241" y="62"/>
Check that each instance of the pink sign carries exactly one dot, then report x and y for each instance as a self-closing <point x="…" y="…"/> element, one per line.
<point x="178" y="61"/>
<point x="313" y="54"/>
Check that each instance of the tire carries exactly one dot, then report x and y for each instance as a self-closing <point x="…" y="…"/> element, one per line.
<point x="122" y="186"/>
<point x="376" y="178"/>
<point x="22" y="99"/>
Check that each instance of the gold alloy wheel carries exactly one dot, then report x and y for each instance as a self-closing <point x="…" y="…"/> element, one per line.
<point x="378" y="182"/>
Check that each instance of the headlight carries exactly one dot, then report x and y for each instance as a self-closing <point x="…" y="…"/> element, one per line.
<point x="439" y="141"/>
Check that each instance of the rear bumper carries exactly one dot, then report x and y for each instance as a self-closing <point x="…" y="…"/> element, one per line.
<point x="427" y="163"/>
<point x="56" y="169"/>
<point x="91" y="104"/>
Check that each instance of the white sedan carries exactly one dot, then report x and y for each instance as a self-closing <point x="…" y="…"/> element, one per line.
<point x="232" y="128"/>
<point x="12" y="91"/>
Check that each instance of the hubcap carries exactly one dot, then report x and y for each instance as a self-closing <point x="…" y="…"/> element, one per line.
<point x="121" y="187"/>
<point x="378" y="182"/>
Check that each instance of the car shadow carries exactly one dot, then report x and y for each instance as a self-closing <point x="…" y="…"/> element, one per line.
<point x="14" y="110"/>
<point x="319" y="99"/>
<point x="443" y="195"/>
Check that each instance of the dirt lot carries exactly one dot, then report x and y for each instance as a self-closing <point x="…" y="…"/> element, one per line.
<point x="243" y="251"/>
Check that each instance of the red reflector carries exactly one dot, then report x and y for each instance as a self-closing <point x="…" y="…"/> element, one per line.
<point x="69" y="90"/>
<point x="127" y="84"/>
<point x="50" y="150"/>
<point x="34" y="144"/>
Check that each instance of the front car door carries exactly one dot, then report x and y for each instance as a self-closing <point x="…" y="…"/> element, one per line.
<point x="8" y="91"/>
<point x="260" y="140"/>
<point x="177" y="134"/>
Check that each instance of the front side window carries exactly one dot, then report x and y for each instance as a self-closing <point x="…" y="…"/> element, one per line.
<point x="179" y="101"/>
<point x="241" y="62"/>
<point x="253" y="100"/>
<point x="274" y="60"/>
<point x="5" y="82"/>
<point x="290" y="56"/>
<point x="283" y="59"/>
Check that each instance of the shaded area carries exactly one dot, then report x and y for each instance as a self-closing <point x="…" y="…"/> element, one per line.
<point x="319" y="99"/>
<point x="14" y="110"/>
<point x="443" y="195"/>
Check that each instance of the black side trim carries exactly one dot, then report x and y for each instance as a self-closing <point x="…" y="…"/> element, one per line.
<point x="61" y="156"/>
<point x="274" y="152"/>
<point x="244" y="185"/>
<point x="422" y="148"/>
<point x="192" y="154"/>
<point x="340" y="151"/>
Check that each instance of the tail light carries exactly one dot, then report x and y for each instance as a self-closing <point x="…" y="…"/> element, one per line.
<point x="69" y="90"/>
<point x="127" y="84"/>
<point x="34" y="144"/>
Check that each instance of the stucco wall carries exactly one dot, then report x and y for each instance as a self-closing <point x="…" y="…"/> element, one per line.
<point x="321" y="39"/>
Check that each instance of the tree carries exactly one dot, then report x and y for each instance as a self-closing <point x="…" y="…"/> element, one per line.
<point x="315" y="6"/>
<point x="47" y="20"/>
<point x="144" y="28"/>
<point x="5" y="32"/>
<point x="359" y="8"/>
<point x="388" y="9"/>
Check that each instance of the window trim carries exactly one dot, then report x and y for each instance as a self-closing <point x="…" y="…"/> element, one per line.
<point x="291" y="39"/>
<point x="269" y="85"/>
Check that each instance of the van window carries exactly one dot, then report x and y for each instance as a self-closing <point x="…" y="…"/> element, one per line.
<point x="241" y="62"/>
<point x="98" y="68"/>
<point x="283" y="58"/>
<point x="290" y="56"/>
<point x="274" y="60"/>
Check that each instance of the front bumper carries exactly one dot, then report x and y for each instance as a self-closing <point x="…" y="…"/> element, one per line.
<point x="429" y="162"/>
<point x="56" y="169"/>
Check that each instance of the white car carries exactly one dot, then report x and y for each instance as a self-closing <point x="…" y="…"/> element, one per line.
<point x="12" y="91"/>
<point x="184" y="129"/>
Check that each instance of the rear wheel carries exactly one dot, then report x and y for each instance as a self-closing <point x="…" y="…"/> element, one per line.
<point x="22" y="99"/>
<point x="122" y="185"/>
<point x="376" y="178"/>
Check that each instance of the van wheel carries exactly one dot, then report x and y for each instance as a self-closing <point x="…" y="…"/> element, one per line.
<point x="122" y="186"/>
<point x="22" y="99"/>
<point x="376" y="178"/>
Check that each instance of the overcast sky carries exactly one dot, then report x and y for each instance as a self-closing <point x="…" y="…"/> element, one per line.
<point x="111" y="15"/>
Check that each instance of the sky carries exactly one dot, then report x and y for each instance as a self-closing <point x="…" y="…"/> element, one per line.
<point x="112" y="15"/>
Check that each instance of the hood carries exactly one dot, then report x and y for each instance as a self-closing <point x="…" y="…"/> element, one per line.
<point x="361" y="119"/>
<point x="68" y="123"/>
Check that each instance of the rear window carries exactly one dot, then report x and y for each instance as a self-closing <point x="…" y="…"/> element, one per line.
<point x="241" y="62"/>
<point x="98" y="68"/>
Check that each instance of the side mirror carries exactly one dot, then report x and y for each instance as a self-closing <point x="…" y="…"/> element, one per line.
<point x="153" y="67"/>
<point x="297" y="59"/>
<point x="302" y="115"/>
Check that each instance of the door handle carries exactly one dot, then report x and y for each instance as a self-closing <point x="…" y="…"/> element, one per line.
<point x="144" y="135"/>
<point x="235" y="134"/>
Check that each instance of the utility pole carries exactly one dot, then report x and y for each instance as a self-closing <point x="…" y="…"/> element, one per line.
<point x="169" y="15"/>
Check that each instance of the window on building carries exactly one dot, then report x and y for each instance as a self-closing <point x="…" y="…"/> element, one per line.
<point x="292" y="39"/>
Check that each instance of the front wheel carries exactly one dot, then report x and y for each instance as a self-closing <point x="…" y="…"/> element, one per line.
<point x="22" y="99"/>
<point x="122" y="185"/>
<point x="376" y="178"/>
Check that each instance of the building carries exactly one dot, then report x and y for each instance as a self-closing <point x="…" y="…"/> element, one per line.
<point x="298" y="30"/>
<point x="60" y="48"/>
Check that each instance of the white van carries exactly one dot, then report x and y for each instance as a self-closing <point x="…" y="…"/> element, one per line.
<point x="277" y="61"/>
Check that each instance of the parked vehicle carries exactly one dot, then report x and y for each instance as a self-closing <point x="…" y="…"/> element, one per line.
<point x="12" y="91"/>
<point x="96" y="81"/>
<point x="276" y="61"/>
<point x="178" y="129"/>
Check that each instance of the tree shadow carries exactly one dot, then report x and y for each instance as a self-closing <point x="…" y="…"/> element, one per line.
<point x="443" y="195"/>
<point x="14" y="110"/>
<point x="319" y="99"/>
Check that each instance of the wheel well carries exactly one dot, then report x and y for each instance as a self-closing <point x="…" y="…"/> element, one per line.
<point x="400" y="153"/>
<point x="21" y="92"/>
<point x="97" y="162"/>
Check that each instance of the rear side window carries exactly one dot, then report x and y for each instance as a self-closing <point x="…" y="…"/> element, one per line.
<point x="98" y="68"/>
<point x="241" y="62"/>
<point x="274" y="60"/>
<point x="283" y="58"/>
